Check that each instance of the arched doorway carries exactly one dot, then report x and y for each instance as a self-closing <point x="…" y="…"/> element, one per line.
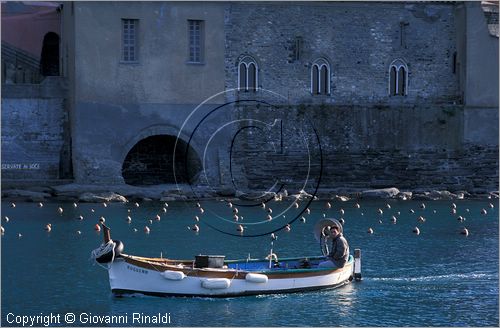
<point x="151" y="162"/>
<point x="49" y="61"/>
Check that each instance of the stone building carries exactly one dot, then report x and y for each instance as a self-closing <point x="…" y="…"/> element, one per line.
<point x="269" y="95"/>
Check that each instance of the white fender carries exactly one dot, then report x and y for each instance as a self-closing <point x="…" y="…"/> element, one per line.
<point x="173" y="275"/>
<point x="216" y="283"/>
<point x="256" y="277"/>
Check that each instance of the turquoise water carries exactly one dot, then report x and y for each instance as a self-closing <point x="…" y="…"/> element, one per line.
<point x="438" y="278"/>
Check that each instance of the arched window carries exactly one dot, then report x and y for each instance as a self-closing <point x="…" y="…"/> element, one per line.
<point x="49" y="60"/>
<point x="320" y="77"/>
<point x="248" y="74"/>
<point x="398" y="78"/>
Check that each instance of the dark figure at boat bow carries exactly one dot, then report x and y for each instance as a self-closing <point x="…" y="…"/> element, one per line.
<point x="339" y="253"/>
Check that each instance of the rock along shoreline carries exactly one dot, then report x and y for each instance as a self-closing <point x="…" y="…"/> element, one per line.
<point x="168" y="193"/>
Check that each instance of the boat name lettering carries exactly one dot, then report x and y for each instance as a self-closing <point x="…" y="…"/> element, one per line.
<point x="137" y="269"/>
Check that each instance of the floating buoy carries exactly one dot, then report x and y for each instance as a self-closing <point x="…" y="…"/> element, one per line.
<point x="399" y="213"/>
<point x="102" y="219"/>
<point x="308" y="210"/>
<point x="269" y="217"/>
<point x="150" y="221"/>
<point x="135" y="230"/>
<point x="78" y="232"/>
<point x="195" y="228"/>
<point x="484" y="212"/>
<point x="75" y="205"/>
<point x="104" y="204"/>
<point x="434" y="211"/>
<point x="196" y="218"/>
<point x="60" y="210"/>
<point x="263" y="205"/>
<point x="342" y="212"/>
<point x="48" y="227"/>
<point x="467" y="210"/>
<point x="166" y="204"/>
<point x="164" y="210"/>
<point x="273" y="237"/>
<point x="2" y="230"/>
<point x="412" y="211"/>
<point x="202" y="210"/>
<point x="40" y="204"/>
<point x="394" y="219"/>
<point x="370" y="230"/>
<point x="13" y="205"/>
<point x="342" y="221"/>
<point x="461" y="218"/>
<point x="6" y="218"/>
<point x="388" y="206"/>
<point x="97" y="227"/>
<point x="235" y="210"/>
<point x="453" y="211"/>
<point x="324" y="215"/>
<point x="240" y="228"/>
<point x="422" y="206"/>
<point x="288" y="228"/>
<point x="198" y="205"/>
<point x="19" y="235"/>
<point x="296" y="205"/>
<point x="269" y="210"/>
<point x="136" y="204"/>
<point x="416" y="230"/>
<point x="380" y="211"/>
<point x="357" y="205"/>
<point x="129" y="219"/>
<point x="230" y="205"/>
<point x="235" y="218"/>
<point x="453" y="205"/>
<point x="92" y="210"/>
<point x="464" y="231"/>
<point x="421" y="219"/>
<point x="328" y="205"/>
<point x="362" y="213"/>
<point x="491" y="205"/>
<point x="158" y="218"/>
<point x="380" y="221"/>
<point x="146" y="229"/>
<point x="303" y="219"/>
<point x="80" y="218"/>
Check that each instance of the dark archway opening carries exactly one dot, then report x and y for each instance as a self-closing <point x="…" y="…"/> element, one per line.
<point x="151" y="162"/>
<point x="49" y="61"/>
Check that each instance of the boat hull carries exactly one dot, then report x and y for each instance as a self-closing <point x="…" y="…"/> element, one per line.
<point x="130" y="277"/>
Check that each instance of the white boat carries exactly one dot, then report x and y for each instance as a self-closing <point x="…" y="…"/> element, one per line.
<point x="212" y="276"/>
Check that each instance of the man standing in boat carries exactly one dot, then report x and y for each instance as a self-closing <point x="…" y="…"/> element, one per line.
<point x="339" y="252"/>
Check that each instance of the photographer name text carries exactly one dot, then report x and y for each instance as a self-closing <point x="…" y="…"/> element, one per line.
<point x="69" y="318"/>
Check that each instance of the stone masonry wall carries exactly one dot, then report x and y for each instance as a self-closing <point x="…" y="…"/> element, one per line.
<point x="33" y="133"/>
<point x="360" y="40"/>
